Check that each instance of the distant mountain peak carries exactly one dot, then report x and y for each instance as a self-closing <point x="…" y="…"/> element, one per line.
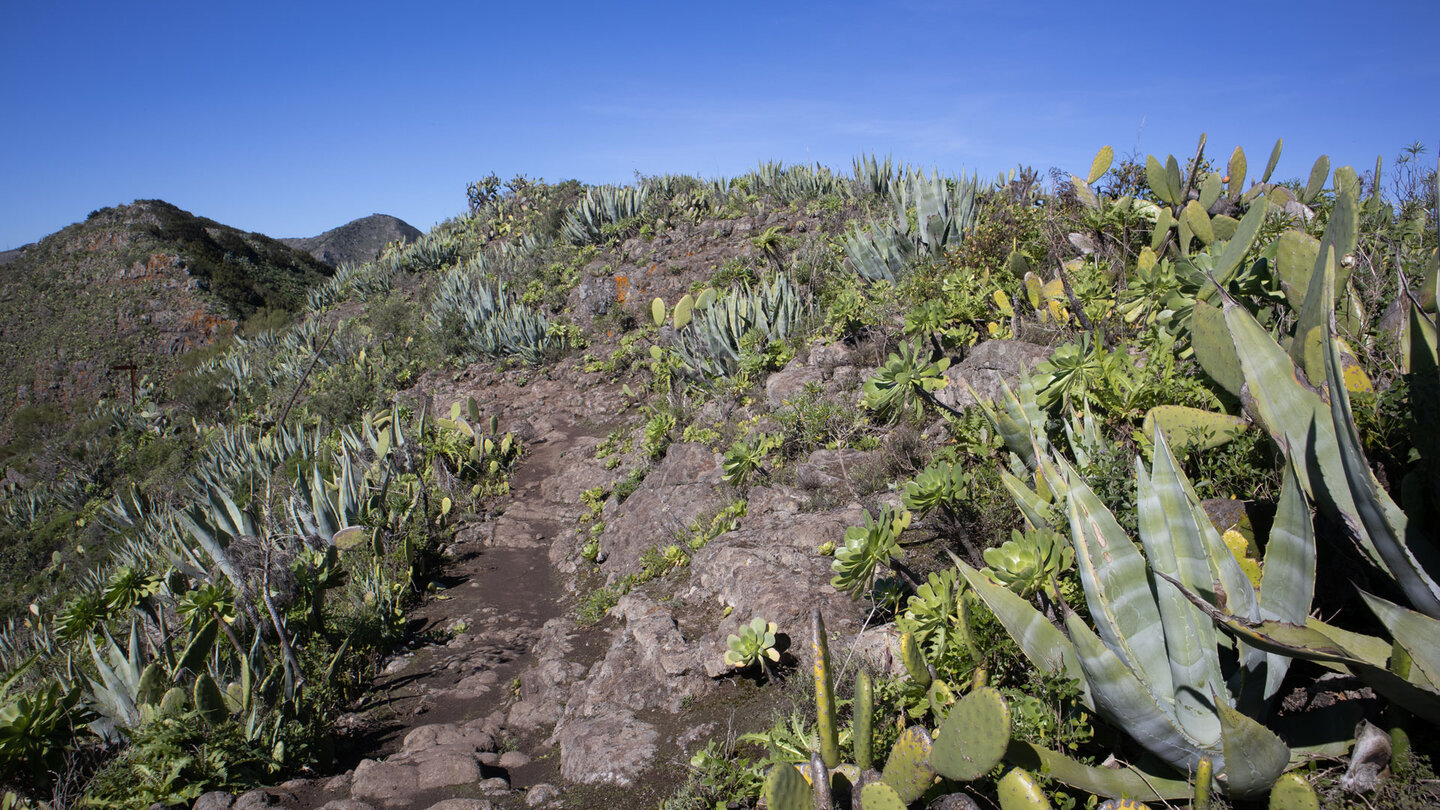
<point x="357" y="241"/>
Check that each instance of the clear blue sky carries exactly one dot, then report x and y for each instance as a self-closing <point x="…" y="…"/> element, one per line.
<point x="291" y="118"/>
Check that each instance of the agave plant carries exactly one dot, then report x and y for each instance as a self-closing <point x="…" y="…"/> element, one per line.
<point x="1325" y="450"/>
<point x="868" y="546"/>
<point x="712" y="342"/>
<point x="1154" y="664"/>
<point x="605" y="205"/>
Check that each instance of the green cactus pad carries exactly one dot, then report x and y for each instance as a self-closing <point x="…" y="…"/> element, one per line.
<point x="1224" y="227"/>
<point x="1237" y="170"/>
<point x="657" y="311"/>
<point x="825" y="723"/>
<point x="1292" y="792"/>
<point x="684" y="309"/>
<point x="1204" y="783"/>
<point x="862" y="719"/>
<point x="193" y="659"/>
<point x="908" y="770"/>
<point x="786" y="789"/>
<point x="1163" y="222"/>
<point x="1210" y="190"/>
<point x="1190" y="429"/>
<point x="1199" y="222"/>
<point x="1319" y="173"/>
<point x="1018" y="791"/>
<point x="880" y="796"/>
<point x="1215" y="349"/>
<point x="209" y="700"/>
<point x="1155" y="177"/>
<point x="174" y="703"/>
<point x="1100" y="164"/>
<point x="705" y="299"/>
<point x="151" y="688"/>
<point x="914" y="660"/>
<point x="1295" y="253"/>
<point x="973" y="739"/>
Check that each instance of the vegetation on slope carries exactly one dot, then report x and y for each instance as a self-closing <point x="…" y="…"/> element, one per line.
<point x="196" y="630"/>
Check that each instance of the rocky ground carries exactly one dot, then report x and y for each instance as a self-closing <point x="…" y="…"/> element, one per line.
<point x="514" y="700"/>
<point x="513" y="703"/>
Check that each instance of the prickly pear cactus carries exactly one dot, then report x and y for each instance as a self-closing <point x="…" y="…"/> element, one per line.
<point x="908" y="770"/>
<point x="1292" y="792"/>
<point x="973" y="739"/>
<point x="1204" y="780"/>
<point x="657" y="311"/>
<point x="1018" y="791"/>
<point x="824" y="692"/>
<point x="151" y="689"/>
<point x="209" y="700"/>
<point x="786" y="789"/>
<point x="914" y="660"/>
<point x="1189" y="429"/>
<point x="174" y="703"/>
<point x="1214" y="348"/>
<point x="880" y="796"/>
<point x="684" y="309"/>
<point x="863" y="713"/>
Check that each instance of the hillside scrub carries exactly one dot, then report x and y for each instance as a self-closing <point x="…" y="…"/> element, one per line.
<point x="1116" y="552"/>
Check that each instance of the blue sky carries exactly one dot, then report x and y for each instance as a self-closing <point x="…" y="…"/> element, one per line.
<point x="291" y="118"/>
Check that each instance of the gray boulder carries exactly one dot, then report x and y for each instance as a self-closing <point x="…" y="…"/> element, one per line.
<point x="989" y="364"/>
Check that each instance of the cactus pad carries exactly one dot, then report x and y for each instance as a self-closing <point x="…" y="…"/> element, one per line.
<point x="1292" y="792"/>
<point x="785" y="789"/>
<point x="1215" y="349"/>
<point x="908" y="770"/>
<point x="174" y="703"/>
<point x="1100" y="164"/>
<point x="151" y="688"/>
<point x="684" y="309"/>
<point x="1018" y="791"/>
<point x="1123" y="804"/>
<point x="824" y="692"/>
<point x="973" y="739"/>
<point x="1295" y="253"/>
<point x="880" y="796"/>
<point x="914" y="660"/>
<point x="863" y="713"/>
<point x="209" y="700"/>
<point x="1189" y="429"/>
<point x="657" y="311"/>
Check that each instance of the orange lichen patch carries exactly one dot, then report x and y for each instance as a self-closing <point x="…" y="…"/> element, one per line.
<point x="622" y="288"/>
<point x="208" y="323"/>
<point x="157" y="267"/>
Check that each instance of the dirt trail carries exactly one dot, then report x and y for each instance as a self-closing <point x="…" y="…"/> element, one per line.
<point x="473" y="638"/>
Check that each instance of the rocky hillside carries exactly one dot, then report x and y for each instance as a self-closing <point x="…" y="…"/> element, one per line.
<point x="357" y="241"/>
<point x="638" y="497"/>
<point x="135" y="284"/>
